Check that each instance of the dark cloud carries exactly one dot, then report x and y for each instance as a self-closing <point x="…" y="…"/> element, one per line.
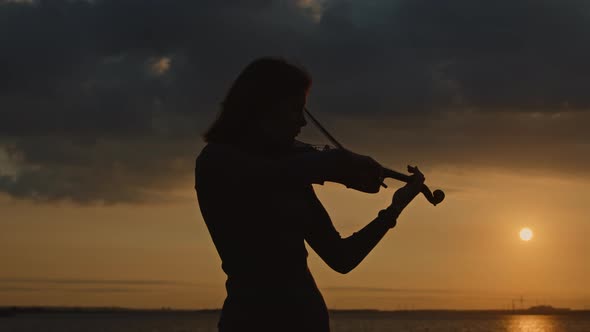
<point x="109" y="171"/>
<point x="69" y="281"/>
<point x="110" y="290"/>
<point x="18" y="289"/>
<point x="75" y="290"/>
<point x="516" y="54"/>
<point x="431" y="54"/>
<point x="473" y="142"/>
<point x="89" y="285"/>
<point x="389" y="290"/>
<point x="104" y="100"/>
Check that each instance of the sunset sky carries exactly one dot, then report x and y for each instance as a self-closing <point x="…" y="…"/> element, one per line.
<point x="103" y="102"/>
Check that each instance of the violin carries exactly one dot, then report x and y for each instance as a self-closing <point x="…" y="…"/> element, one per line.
<point x="434" y="197"/>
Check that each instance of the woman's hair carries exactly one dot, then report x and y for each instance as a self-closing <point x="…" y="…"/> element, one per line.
<point x="258" y="88"/>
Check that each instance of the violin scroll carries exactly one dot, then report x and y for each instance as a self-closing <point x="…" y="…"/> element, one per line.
<point x="433" y="197"/>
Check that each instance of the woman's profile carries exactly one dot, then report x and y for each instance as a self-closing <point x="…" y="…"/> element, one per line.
<point x="255" y="193"/>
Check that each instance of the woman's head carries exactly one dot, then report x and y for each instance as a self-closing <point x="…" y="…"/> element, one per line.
<point x="265" y="101"/>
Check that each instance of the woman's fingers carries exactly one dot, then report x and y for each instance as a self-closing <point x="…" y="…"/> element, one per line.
<point x="404" y="195"/>
<point x="416" y="174"/>
<point x="359" y="172"/>
<point x="372" y="175"/>
<point x="413" y="187"/>
<point x="417" y="181"/>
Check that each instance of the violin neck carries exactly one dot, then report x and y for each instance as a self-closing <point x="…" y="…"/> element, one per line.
<point x="388" y="173"/>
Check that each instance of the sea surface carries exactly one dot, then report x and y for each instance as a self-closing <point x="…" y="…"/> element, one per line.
<point x="340" y="322"/>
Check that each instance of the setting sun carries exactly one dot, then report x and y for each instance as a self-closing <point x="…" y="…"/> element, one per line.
<point x="526" y="234"/>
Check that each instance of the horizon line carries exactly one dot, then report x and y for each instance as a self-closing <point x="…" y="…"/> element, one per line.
<point x="168" y="309"/>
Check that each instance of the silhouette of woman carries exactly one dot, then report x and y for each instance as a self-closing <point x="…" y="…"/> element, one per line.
<point x="256" y="197"/>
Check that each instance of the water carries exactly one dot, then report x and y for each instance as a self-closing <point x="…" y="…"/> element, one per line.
<point x="340" y="322"/>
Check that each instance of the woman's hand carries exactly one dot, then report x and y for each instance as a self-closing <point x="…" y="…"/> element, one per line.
<point x="356" y="171"/>
<point x="404" y="195"/>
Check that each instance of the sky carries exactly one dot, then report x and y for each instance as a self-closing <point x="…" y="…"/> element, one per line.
<point x="103" y="104"/>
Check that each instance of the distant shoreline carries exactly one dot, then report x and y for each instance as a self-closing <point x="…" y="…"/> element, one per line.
<point x="542" y="310"/>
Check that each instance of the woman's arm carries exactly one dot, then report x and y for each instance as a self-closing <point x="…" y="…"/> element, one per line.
<point x="344" y="254"/>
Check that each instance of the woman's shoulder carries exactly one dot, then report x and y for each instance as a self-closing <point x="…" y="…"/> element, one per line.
<point x="214" y="163"/>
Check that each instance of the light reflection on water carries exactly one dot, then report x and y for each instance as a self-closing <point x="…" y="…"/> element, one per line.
<point x="464" y="323"/>
<point x="533" y="323"/>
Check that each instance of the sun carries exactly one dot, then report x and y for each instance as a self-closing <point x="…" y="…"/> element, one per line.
<point x="526" y="234"/>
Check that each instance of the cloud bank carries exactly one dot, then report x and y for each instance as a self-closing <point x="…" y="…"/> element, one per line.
<point x="104" y="101"/>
